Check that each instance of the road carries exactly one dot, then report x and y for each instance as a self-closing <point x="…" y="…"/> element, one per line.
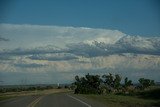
<point x="51" y="100"/>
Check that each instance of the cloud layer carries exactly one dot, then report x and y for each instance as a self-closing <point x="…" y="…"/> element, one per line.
<point x="27" y="36"/>
<point x="3" y="39"/>
<point x="67" y="51"/>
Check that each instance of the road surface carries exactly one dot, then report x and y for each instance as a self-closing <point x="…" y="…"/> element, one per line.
<point x="51" y="100"/>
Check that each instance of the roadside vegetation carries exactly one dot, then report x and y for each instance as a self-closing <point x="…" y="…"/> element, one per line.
<point x="20" y="88"/>
<point x="111" y="90"/>
<point x="25" y="90"/>
<point x="115" y="92"/>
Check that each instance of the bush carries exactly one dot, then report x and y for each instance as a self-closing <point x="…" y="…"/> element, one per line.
<point x="88" y="84"/>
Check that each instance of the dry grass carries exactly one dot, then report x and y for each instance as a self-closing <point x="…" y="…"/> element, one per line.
<point x="8" y="95"/>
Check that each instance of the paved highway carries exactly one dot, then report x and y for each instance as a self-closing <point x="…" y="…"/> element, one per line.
<point x="51" y="100"/>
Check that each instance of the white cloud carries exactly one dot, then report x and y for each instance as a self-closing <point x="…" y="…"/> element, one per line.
<point x="54" y="49"/>
<point x="37" y="35"/>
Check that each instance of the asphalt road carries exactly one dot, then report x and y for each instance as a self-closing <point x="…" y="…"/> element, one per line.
<point x="52" y="100"/>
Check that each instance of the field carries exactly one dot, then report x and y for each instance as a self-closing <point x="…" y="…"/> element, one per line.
<point x="148" y="98"/>
<point x="8" y="95"/>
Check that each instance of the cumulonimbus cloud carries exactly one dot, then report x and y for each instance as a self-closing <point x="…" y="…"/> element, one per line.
<point x="127" y="44"/>
<point x="65" y="49"/>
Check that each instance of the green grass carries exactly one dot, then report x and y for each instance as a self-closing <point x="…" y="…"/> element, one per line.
<point x="151" y="93"/>
<point x="147" y="98"/>
<point x="112" y="100"/>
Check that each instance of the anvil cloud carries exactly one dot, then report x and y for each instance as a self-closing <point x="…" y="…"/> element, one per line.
<point x="66" y="51"/>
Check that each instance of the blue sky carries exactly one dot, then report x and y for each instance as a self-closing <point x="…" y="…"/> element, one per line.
<point x="133" y="17"/>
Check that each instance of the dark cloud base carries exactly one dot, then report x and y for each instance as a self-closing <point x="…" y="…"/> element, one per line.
<point x="32" y="65"/>
<point x="3" y="39"/>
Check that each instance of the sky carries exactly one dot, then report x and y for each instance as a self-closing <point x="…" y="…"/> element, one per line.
<point x="51" y="41"/>
<point x="133" y="17"/>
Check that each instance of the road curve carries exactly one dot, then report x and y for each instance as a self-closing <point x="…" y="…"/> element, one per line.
<point x="51" y="100"/>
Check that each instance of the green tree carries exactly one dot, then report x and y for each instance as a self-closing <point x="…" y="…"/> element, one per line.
<point x="108" y="80"/>
<point x="145" y="83"/>
<point x="127" y="82"/>
<point x="112" y="81"/>
<point x="88" y="84"/>
<point x="117" y="81"/>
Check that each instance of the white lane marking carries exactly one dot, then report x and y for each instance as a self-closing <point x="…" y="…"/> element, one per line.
<point x="79" y="100"/>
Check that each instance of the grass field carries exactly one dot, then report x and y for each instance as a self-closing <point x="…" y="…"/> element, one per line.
<point x="8" y="95"/>
<point x="149" y="98"/>
<point x="123" y="101"/>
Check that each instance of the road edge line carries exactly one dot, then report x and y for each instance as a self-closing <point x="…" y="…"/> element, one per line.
<point x="79" y="100"/>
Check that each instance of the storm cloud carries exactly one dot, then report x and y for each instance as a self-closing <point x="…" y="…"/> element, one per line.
<point x="76" y="50"/>
<point x="128" y="44"/>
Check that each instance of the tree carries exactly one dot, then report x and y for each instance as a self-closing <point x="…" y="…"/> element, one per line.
<point x="109" y="80"/>
<point x="117" y="81"/>
<point x="112" y="82"/>
<point x="88" y="84"/>
<point x="127" y="85"/>
<point x="127" y="82"/>
<point x="145" y="83"/>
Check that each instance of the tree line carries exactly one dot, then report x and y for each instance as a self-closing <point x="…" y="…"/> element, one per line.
<point x="95" y="84"/>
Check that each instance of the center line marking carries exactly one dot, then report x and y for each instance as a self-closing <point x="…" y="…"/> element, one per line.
<point x="79" y="100"/>
<point x="32" y="104"/>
